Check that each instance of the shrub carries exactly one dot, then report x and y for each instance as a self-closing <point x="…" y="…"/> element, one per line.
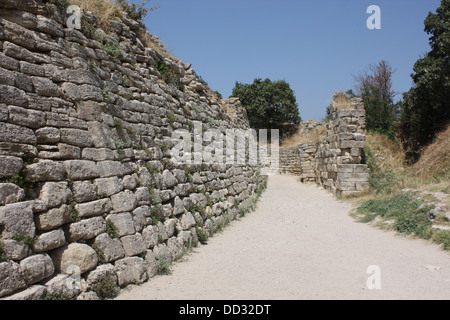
<point x="410" y="217"/>
<point x="151" y="169"/>
<point x="57" y="296"/>
<point x="163" y="266"/>
<point x="198" y="209"/>
<point x="413" y="224"/>
<point x="111" y="229"/>
<point x="118" y="124"/>
<point x="380" y="181"/>
<point x="25" y="239"/>
<point x="442" y="237"/>
<point x="112" y="49"/>
<point x="106" y="288"/>
<point x="394" y="206"/>
<point x="202" y="235"/>
<point x="134" y="11"/>
<point x="167" y="74"/>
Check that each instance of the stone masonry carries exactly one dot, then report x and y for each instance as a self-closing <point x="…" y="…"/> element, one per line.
<point x="336" y="162"/>
<point x="88" y="186"/>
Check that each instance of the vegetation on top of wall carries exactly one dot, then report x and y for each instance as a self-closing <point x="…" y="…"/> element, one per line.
<point x="59" y="3"/>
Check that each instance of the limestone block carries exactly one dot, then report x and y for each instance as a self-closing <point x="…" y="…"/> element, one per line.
<point x="54" y="218"/>
<point x="55" y="194"/>
<point x="12" y="96"/>
<point x="167" y="180"/>
<point x="111" y="168"/>
<point x="26" y="117"/>
<point x="81" y="169"/>
<point x="10" y="193"/>
<point x="84" y="92"/>
<point x="46" y="170"/>
<point x="150" y="236"/>
<point x="63" y="285"/>
<point x="84" y="191"/>
<point x="76" y="137"/>
<point x="35" y="292"/>
<point x="105" y="271"/>
<point x="151" y="264"/>
<point x="22" y="82"/>
<point x="139" y="219"/>
<point x="97" y="154"/>
<point x="45" y="87"/>
<point x="17" y="219"/>
<point x="15" y="250"/>
<point x="133" y="245"/>
<point x="175" y="248"/>
<point x="187" y="221"/>
<point x="49" y="241"/>
<point x="67" y="151"/>
<point x="110" y="249"/>
<point x="74" y="256"/>
<point x="32" y="69"/>
<point x="124" y="201"/>
<point x="37" y="267"/>
<point x="131" y="270"/>
<point x="49" y="26"/>
<point x="86" y="229"/>
<point x="94" y="208"/>
<point x="11" y="278"/>
<point x="123" y="223"/>
<point x="178" y="206"/>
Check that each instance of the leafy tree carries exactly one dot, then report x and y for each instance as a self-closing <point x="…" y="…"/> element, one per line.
<point x="375" y="88"/>
<point x="269" y="105"/>
<point x="426" y="107"/>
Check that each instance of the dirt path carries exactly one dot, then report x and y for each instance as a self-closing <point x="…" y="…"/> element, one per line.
<point x="301" y="244"/>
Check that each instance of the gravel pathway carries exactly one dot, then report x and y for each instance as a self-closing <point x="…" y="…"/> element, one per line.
<point x="301" y="243"/>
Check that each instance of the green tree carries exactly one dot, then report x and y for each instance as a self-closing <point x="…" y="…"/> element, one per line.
<point x="375" y="88"/>
<point x="425" y="110"/>
<point x="269" y="105"/>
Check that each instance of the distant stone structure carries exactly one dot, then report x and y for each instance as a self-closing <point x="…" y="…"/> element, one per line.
<point x="336" y="162"/>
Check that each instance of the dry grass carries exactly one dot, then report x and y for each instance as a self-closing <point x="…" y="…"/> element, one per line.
<point x="107" y="10"/>
<point x="389" y="156"/>
<point x="435" y="159"/>
<point x="306" y="136"/>
<point x="104" y="10"/>
<point x="341" y="101"/>
<point x="430" y="173"/>
<point x="152" y="42"/>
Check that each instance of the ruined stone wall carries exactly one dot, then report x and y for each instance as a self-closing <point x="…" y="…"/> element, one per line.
<point x="88" y="185"/>
<point x="336" y="162"/>
<point x="290" y="161"/>
<point x="339" y="165"/>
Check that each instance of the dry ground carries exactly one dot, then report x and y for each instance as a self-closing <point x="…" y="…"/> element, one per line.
<point x="301" y="244"/>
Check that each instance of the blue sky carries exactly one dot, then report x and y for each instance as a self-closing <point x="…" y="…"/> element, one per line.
<point x="316" y="46"/>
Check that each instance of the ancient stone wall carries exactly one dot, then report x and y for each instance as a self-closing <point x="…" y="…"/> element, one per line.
<point x="290" y="161"/>
<point x="88" y="186"/>
<point x="336" y="162"/>
<point x="339" y="158"/>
